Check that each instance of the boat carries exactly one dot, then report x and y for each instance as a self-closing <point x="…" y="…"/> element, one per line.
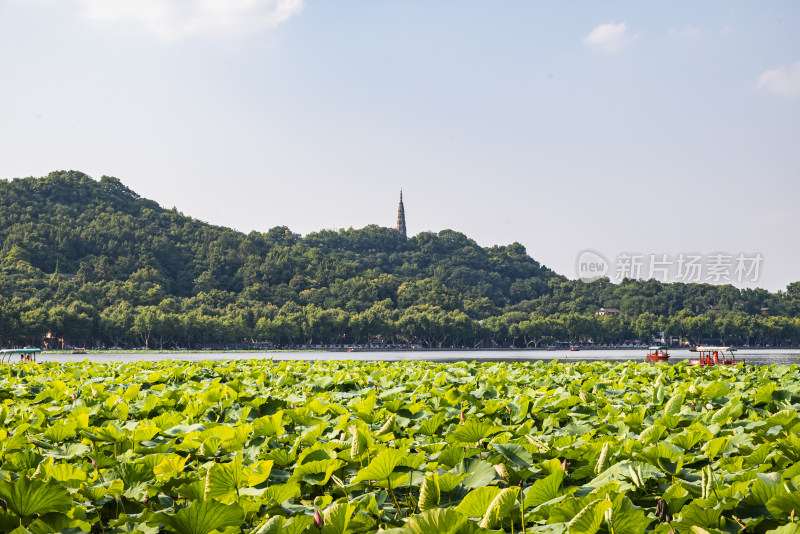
<point x="79" y="351"/>
<point x="574" y="349"/>
<point x="715" y="356"/>
<point x="25" y="355"/>
<point x="657" y="353"/>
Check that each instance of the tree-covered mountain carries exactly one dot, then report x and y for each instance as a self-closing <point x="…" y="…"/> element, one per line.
<point x="93" y="262"/>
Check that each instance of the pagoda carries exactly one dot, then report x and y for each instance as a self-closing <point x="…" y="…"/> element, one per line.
<point x="401" y="217"/>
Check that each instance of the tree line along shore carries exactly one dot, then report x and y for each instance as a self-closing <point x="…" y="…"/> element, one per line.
<point x="91" y="263"/>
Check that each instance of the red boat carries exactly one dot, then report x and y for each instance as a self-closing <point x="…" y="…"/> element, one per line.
<point x="658" y="353"/>
<point x="715" y="356"/>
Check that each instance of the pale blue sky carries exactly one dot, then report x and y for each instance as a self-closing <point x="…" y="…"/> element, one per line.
<point x="615" y="126"/>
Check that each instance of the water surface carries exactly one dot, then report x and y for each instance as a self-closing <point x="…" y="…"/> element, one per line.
<point x="749" y="356"/>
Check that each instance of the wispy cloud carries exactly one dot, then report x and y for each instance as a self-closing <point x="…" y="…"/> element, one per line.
<point x="783" y="81"/>
<point x="610" y="37"/>
<point x="172" y="20"/>
<point x="688" y="33"/>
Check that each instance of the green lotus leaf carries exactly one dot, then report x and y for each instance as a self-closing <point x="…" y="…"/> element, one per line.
<point x="673" y="406"/>
<point x="781" y="506"/>
<point x="516" y="454"/>
<point x="297" y="524"/>
<point x="270" y="426"/>
<point x="68" y="451"/>
<point x="110" y="433"/>
<point x="26" y="497"/>
<point x="436" y="521"/>
<point x="273" y="525"/>
<point x="132" y="474"/>
<point x="651" y="434"/>
<point x="701" y="514"/>
<point x="784" y="418"/>
<point x="544" y="490"/>
<point x="479" y="473"/>
<point x="477" y="501"/>
<point x="170" y="467"/>
<point x="451" y="456"/>
<point x="225" y="480"/>
<point x="57" y="522"/>
<point x="381" y="466"/>
<point x="431" y="426"/>
<point x="765" y="487"/>
<point x="61" y="431"/>
<point x="721" y="416"/>
<point x="473" y="431"/>
<point x="589" y="519"/>
<point x="788" y="528"/>
<point x="448" y="481"/>
<point x="500" y="507"/>
<point x="429" y="493"/>
<point x="8" y="521"/>
<point x="279" y="493"/>
<point x="67" y="474"/>
<point x="336" y="518"/>
<point x="179" y="430"/>
<point x="95" y="493"/>
<point x="203" y="517"/>
<point x="716" y="390"/>
<point x="626" y="518"/>
<point x="195" y="491"/>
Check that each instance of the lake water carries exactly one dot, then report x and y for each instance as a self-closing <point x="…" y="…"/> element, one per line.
<point x="749" y="356"/>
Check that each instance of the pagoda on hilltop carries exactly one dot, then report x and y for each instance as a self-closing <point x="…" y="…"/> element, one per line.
<point x="401" y="217"/>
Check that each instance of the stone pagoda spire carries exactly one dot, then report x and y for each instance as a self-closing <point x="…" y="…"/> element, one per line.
<point x="401" y="216"/>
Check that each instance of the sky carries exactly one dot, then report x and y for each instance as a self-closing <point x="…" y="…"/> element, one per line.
<point x="628" y="129"/>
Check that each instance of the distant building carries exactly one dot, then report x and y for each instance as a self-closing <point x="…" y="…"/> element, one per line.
<point x="606" y="311"/>
<point x="401" y="217"/>
<point x="765" y="311"/>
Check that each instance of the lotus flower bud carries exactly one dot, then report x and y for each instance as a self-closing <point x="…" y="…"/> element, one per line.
<point x="318" y="519"/>
<point x="663" y="511"/>
<point x="564" y="465"/>
<point x="709" y="406"/>
<point x="462" y="418"/>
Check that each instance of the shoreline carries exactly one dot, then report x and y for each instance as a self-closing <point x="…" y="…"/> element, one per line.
<point x="398" y="349"/>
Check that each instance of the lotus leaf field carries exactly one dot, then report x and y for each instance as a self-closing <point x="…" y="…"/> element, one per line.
<point x="410" y="447"/>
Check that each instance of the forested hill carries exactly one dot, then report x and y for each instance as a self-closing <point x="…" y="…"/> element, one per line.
<point x="103" y="231"/>
<point x="92" y="261"/>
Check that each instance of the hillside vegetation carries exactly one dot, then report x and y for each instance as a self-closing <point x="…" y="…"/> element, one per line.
<point x="91" y="262"/>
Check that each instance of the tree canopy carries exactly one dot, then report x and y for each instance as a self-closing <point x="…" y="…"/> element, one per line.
<point x="91" y="262"/>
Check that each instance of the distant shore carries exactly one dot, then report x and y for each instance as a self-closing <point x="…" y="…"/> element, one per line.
<point x="393" y="349"/>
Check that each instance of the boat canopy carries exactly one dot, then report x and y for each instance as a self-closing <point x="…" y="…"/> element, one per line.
<point x="715" y="349"/>
<point x="658" y="347"/>
<point x="20" y="351"/>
